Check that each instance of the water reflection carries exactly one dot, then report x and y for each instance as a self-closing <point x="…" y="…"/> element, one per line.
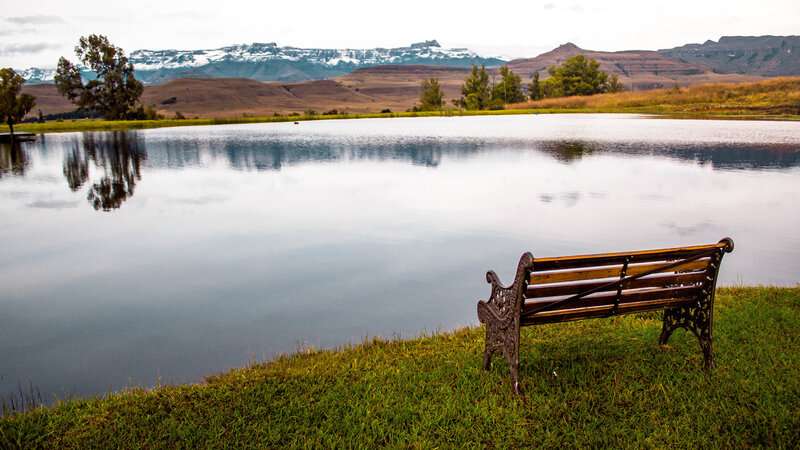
<point x="13" y="159"/>
<point x="76" y="167"/>
<point x="119" y="155"/>
<point x="724" y="156"/>
<point x="567" y="150"/>
<point x="276" y="154"/>
<point x="211" y="265"/>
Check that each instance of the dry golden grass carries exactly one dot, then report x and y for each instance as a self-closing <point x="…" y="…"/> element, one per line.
<point x="775" y="96"/>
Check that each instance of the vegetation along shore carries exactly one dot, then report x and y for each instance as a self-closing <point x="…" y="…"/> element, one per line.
<point x="587" y="383"/>
<point x="771" y="99"/>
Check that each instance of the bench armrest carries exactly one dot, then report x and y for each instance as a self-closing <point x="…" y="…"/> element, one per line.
<point x="505" y="302"/>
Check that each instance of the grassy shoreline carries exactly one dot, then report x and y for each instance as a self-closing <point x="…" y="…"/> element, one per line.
<point x="774" y="99"/>
<point x="108" y="125"/>
<point x="590" y="383"/>
<point x="777" y="99"/>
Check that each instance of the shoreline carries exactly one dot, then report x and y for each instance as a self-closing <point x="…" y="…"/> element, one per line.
<point x="120" y="125"/>
<point x="591" y="382"/>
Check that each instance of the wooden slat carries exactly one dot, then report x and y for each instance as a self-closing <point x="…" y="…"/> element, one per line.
<point x="550" y="290"/>
<point x="607" y="259"/>
<point x="611" y="272"/>
<point x="604" y="311"/>
<point x="607" y="299"/>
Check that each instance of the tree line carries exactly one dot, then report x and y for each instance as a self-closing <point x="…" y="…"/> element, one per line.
<point x="576" y="76"/>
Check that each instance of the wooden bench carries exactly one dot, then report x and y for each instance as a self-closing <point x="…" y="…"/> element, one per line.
<point x="680" y="281"/>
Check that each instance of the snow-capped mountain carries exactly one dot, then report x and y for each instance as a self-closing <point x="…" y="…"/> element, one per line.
<point x="34" y="75"/>
<point x="268" y="62"/>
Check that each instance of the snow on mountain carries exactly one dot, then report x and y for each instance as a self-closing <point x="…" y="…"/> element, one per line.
<point x="257" y="52"/>
<point x="268" y="62"/>
<point x="34" y="75"/>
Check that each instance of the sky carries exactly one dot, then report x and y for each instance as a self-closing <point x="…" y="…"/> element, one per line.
<point x="36" y="33"/>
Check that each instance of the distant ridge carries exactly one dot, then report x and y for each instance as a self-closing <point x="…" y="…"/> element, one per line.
<point x="636" y="69"/>
<point x="770" y="56"/>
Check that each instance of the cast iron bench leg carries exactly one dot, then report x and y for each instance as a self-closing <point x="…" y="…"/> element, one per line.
<point x="697" y="318"/>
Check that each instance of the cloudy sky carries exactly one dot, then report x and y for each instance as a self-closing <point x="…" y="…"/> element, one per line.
<point x="36" y="33"/>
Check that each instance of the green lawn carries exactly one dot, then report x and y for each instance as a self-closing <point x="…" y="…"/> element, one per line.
<point x="112" y="125"/>
<point x="109" y="125"/>
<point x="600" y="382"/>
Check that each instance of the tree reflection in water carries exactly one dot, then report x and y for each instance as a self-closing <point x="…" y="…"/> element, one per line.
<point x="119" y="154"/>
<point x="12" y="159"/>
<point x="568" y="150"/>
<point x="76" y="167"/>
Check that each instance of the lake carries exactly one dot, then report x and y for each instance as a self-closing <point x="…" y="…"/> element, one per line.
<point x="133" y="258"/>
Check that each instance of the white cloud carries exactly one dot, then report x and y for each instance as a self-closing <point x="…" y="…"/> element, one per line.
<point x="18" y="48"/>
<point x="539" y="25"/>
<point x="34" y="20"/>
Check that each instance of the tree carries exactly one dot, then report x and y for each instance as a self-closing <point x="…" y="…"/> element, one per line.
<point x="577" y="76"/>
<point x="114" y="92"/>
<point x="535" y="90"/>
<point x="614" y="85"/>
<point x="509" y="89"/>
<point x="13" y="105"/>
<point x="432" y="96"/>
<point x="476" y="93"/>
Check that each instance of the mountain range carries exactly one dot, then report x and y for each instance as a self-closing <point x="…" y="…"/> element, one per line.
<point x="268" y="62"/>
<point x="262" y="79"/>
<point x="764" y="55"/>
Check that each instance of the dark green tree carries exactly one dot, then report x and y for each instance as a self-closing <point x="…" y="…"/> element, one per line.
<point x="115" y="91"/>
<point x="535" y="89"/>
<point x="614" y="85"/>
<point x="432" y="97"/>
<point x="13" y="105"/>
<point x="577" y="76"/>
<point x="476" y="93"/>
<point x="509" y="89"/>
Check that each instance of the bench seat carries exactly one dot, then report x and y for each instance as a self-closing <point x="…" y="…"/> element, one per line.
<point x="680" y="281"/>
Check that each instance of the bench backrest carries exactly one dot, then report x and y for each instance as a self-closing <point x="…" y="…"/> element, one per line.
<point x="578" y="287"/>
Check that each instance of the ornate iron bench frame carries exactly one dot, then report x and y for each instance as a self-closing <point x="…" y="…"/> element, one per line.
<point x="681" y="281"/>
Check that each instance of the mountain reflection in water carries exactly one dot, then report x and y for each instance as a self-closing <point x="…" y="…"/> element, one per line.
<point x="277" y="154"/>
<point x="119" y="156"/>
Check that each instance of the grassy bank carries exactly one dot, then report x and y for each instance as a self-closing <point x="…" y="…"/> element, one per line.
<point x="591" y="383"/>
<point x="113" y="125"/>
<point x="775" y="97"/>
<point x="772" y="99"/>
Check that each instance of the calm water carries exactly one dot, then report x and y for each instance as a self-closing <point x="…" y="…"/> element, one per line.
<point x="177" y="253"/>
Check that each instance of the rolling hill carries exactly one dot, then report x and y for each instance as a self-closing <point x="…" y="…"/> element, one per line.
<point x="637" y="70"/>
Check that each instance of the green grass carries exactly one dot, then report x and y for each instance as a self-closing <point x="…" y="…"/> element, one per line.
<point x="592" y="383"/>
<point x="113" y="125"/>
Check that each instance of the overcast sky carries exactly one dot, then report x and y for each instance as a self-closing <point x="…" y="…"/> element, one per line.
<point x="36" y="33"/>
